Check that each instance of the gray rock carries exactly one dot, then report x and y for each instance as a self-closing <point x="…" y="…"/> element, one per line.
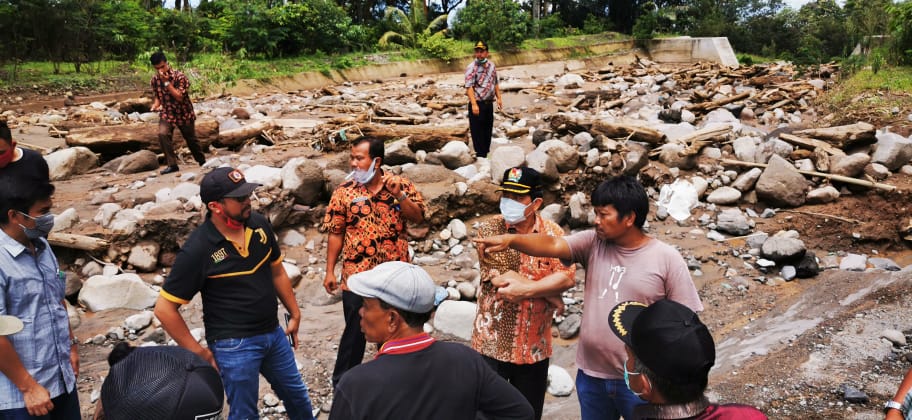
<point x="65" y="220"/>
<point x="583" y="140"/>
<point x="538" y="136"/>
<point x="292" y="237"/>
<point x="877" y="171"/>
<point x="121" y="291"/>
<point x="466" y="290"/>
<point x="144" y="256"/>
<point x="782" y="249"/>
<point x="398" y="153"/>
<point x="772" y="147"/>
<point x="894" y="336"/>
<point x="671" y="155"/>
<point x="553" y="212"/>
<point x="850" y="165"/>
<point x="454" y="154"/>
<point x="91" y="268"/>
<point x="884" y="264"/>
<point x="781" y="184"/>
<point x="570" y="326"/>
<point x="568" y="80"/>
<point x="305" y="179"/>
<point x="715" y="236"/>
<point x="746" y="148"/>
<point x="892" y="150"/>
<point x="853" y="262"/>
<point x="560" y="383"/>
<point x="724" y="196"/>
<point x="637" y="158"/>
<point x="757" y="239"/>
<point x="788" y="272"/>
<point x="505" y="157"/>
<point x="733" y="221"/>
<point x="853" y="395"/>
<point x="565" y="156"/>
<point x="141" y="161"/>
<point x="808" y="267"/>
<point x="822" y="195"/>
<point x="458" y="229"/>
<point x="71" y="161"/>
<point x="185" y="191"/>
<point x="544" y="164"/>
<point x="581" y="211"/>
<point x="746" y="180"/>
<point x="294" y="273"/>
<point x="455" y="318"/>
<point x="138" y="321"/>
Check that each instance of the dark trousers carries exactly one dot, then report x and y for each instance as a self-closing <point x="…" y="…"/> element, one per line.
<point x="530" y="380"/>
<point x="481" y="125"/>
<point x="188" y="130"/>
<point x="351" y="346"/>
<point x="66" y="407"/>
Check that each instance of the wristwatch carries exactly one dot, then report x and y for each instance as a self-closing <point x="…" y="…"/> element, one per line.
<point x="894" y="405"/>
<point x="403" y="197"/>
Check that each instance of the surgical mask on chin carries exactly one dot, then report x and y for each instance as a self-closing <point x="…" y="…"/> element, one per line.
<point x="627" y="379"/>
<point x="481" y="61"/>
<point x="43" y="226"/>
<point x="513" y="211"/>
<point x="363" y="177"/>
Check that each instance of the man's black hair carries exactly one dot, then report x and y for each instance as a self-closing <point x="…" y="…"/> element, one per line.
<point x="627" y="196"/>
<point x="157" y="57"/>
<point x="20" y="196"/>
<point x="120" y="351"/>
<point x="376" y="148"/>
<point x="5" y="133"/>
<point x="412" y="319"/>
<point x="672" y="392"/>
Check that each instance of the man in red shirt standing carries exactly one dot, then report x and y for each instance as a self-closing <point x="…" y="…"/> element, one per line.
<point x="172" y="101"/>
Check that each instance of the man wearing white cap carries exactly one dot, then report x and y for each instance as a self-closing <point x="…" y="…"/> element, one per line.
<point x="413" y="375"/>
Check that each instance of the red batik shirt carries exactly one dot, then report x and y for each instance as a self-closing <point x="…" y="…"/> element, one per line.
<point x="173" y="111"/>
<point x="518" y="333"/>
<point x="373" y="228"/>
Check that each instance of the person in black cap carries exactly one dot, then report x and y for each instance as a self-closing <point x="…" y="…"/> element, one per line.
<point x="415" y="376"/>
<point x="234" y="261"/>
<point x="669" y="354"/>
<point x="170" y="88"/>
<point x="482" y="89"/>
<point x="512" y="328"/>
<point x="163" y="382"/>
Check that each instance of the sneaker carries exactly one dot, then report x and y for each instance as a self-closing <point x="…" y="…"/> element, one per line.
<point x="169" y="170"/>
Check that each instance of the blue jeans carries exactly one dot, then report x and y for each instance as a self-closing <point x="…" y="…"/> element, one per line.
<point x="66" y="407"/>
<point x="241" y="360"/>
<point x="604" y="398"/>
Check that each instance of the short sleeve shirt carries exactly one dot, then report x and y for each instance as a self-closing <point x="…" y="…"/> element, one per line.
<point x="372" y="225"/>
<point x="33" y="289"/>
<point x="174" y="111"/>
<point x="30" y="168"/>
<point x="239" y="298"/>
<point x="518" y="333"/>
<point x="483" y="78"/>
<point x="652" y="272"/>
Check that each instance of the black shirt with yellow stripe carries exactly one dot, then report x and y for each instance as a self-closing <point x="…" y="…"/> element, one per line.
<point x="235" y="280"/>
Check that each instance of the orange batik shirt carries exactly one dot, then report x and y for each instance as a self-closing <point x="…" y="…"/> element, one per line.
<point x="374" y="231"/>
<point x="518" y="333"/>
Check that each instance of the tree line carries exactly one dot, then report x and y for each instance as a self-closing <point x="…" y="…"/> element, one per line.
<point x="85" y="31"/>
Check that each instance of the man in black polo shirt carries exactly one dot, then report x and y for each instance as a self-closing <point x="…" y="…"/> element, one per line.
<point x="234" y="261"/>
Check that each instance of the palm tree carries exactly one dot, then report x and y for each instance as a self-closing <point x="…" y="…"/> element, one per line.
<point x="407" y="27"/>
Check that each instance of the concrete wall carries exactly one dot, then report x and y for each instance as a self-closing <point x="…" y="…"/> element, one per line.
<point x="670" y="50"/>
<point x="691" y="50"/>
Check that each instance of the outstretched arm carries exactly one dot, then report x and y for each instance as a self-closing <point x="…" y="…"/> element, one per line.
<point x="535" y="245"/>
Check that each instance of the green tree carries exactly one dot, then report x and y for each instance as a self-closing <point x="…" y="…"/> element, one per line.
<point x="500" y="23"/>
<point x="407" y="27"/>
<point x="312" y="25"/>
<point x="901" y="32"/>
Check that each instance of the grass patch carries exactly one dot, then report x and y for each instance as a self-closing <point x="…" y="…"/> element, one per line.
<point x="866" y="96"/>
<point x="569" y="41"/>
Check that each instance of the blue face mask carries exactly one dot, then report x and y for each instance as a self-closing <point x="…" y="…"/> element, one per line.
<point x="363" y="177"/>
<point x="627" y="379"/>
<point x="513" y="211"/>
<point x="481" y="61"/>
<point x="43" y="226"/>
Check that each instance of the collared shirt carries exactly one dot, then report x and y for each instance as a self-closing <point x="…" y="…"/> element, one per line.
<point x="372" y="224"/>
<point x="406" y="345"/>
<point x="518" y="333"/>
<point x="173" y="111"/>
<point x="483" y="78"/>
<point x="697" y="410"/>
<point x="235" y="280"/>
<point x="33" y="290"/>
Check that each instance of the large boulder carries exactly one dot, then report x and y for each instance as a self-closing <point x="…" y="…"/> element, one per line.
<point x="505" y="157"/>
<point x="781" y="184"/>
<point x="544" y="164"/>
<point x="120" y="291"/>
<point x="892" y="150"/>
<point x="850" y="165"/>
<point x="565" y="156"/>
<point x="266" y="176"/>
<point x="455" y="318"/>
<point x="144" y="256"/>
<point x="65" y="163"/>
<point x="141" y="161"/>
<point x="303" y="177"/>
<point x="398" y="153"/>
<point x="454" y="154"/>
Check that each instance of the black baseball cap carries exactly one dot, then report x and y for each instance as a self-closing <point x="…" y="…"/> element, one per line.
<point x="163" y="382"/>
<point x="521" y="180"/>
<point x="225" y="182"/>
<point x="667" y="337"/>
<point x="481" y="45"/>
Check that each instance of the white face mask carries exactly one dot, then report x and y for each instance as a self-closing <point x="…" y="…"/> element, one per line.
<point x="363" y="177"/>
<point x="513" y="211"/>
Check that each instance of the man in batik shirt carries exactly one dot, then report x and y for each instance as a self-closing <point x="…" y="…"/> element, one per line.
<point x="172" y="101"/>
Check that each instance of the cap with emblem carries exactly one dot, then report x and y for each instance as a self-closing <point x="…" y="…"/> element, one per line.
<point x="521" y="181"/>
<point x="481" y="45"/>
<point x="225" y="182"/>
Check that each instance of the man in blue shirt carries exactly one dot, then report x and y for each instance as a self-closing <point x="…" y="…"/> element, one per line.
<point x="39" y="364"/>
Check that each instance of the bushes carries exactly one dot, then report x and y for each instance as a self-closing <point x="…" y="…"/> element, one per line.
<point x="501" y="23"/>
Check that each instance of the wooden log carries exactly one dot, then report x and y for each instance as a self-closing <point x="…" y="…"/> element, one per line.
<point x="696" y="140"/>
<point x="843" y="136"/>
<point x="624" y="130"/>
<point x="237" y="136"/>
<point x="839" y="178"/>
<point x="420" y="137"/>
<point x="116" y="140"/>
<point x="80" y="242"/>
<point x="709" y="106"/>
<point x="810" y="144"/>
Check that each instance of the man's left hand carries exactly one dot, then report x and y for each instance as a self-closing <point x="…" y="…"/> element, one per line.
<point x="499" y="104"/>
<point x="393" y="185"/>
<point x="74" y="358"/>
<point x="512" y="286"/>
<point x="292" y="329"/>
